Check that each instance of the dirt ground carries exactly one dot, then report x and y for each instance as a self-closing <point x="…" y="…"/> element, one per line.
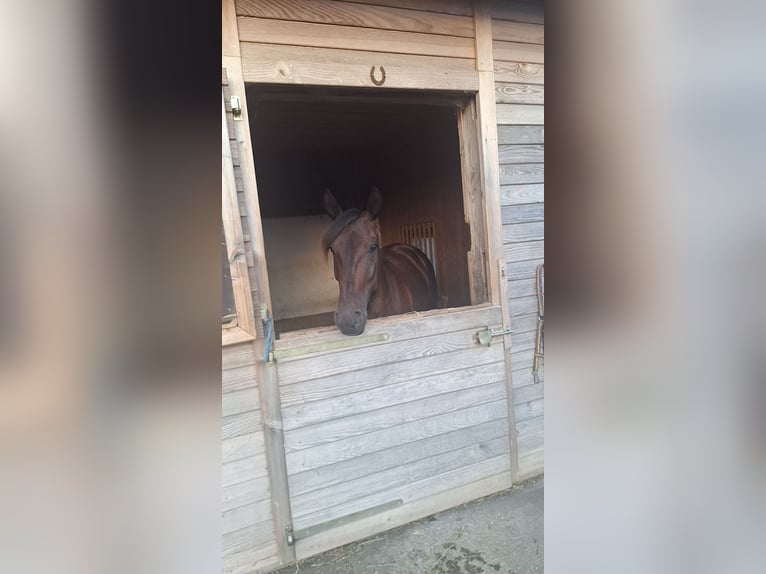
<point x="500" y="533"/>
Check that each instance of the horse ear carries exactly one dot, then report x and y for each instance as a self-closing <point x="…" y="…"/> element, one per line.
<point x="374" y="203"/>
<point x="331" y="204"/>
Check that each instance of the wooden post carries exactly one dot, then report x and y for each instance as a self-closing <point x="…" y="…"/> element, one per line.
<point x="266" y="376"/>
<point x="490" y="173"/>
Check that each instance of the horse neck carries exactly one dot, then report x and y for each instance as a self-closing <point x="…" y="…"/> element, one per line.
<point x="380" y="286"/>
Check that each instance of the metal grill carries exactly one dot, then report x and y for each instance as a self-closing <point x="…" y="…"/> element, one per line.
<point x="421" y="235"/>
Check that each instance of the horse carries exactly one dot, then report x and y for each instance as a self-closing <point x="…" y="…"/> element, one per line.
<point x="374" y="281"/>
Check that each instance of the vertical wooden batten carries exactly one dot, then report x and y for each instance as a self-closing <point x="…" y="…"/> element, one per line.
<point x="265" y="373"/>
<point x="490" y="170"/>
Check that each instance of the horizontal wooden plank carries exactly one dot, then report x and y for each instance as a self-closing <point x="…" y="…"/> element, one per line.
<point x="523" y="306"/>
<point x="522" y="173"/>
<point x="459" y="7"/>
<point x="397" y="415"/>
<point x="531" y="443"/>
<point x="522" y="288"/>
<point x="524" y="251"/>
<point x="243" y="469"/>
<point x="247" y="492"/>
<point x="263" y="559"/>
<point x="520" y="134"/>
<point x="529" y="410"/>
<point x="521" y="269"/>
<point x="523" y="341"/>
<point x="317" y="412"/>
<point x="345" y="498"/>
<point x="527" y="393"/>
<point x="524" y="232"/>
<point x="242" y="401"/>
<point x="346" y="449"/>
<point x="517" y="194"/>
<point x="510" y="93"/>
<point x="518" y="52"/>
<point x="520" y="114"/>
<point x="361" y="380"/>
<point x="243" y="446"/>
<point x="390" y="353"/>
<point x="524" y="323"/>
<point x="519" y="72"/>
<point x="237" y="356"/>
<point x="353" y="14"/>
<point x="522" y="213"/>
<point x="510" y="31"/>
<point x="521" y="153"/>
<point x="518" y="11"/>
<point x="413" y="490"/>
<point x="521" y="363"/>
<point x="267" y="31"/>
<point x="241" y="424"/>
<point x="402" y="327"/>
<point x="256" y="536"/>
<point x="265" y="63"/>
<point x="379" y="461"/>
<point x="238" y="378"/>
<point x="246" y="515"/>
<point x="427" y="505"/>
<point x="531" y="464"/>
<point x="521" y="360"/>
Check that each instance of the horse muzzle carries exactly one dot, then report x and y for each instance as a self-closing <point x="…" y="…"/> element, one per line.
<point x="351" y="322"/>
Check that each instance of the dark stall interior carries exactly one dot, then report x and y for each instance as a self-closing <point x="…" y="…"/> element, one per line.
<point x="306" y="140"/>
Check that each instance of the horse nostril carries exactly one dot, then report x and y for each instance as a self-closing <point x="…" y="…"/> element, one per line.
<point x="358" y="313"/>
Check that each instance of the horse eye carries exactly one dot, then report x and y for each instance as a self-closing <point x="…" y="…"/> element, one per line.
<point x="373" y="247"/>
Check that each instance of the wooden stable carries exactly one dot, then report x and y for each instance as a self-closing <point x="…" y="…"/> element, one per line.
<point x="328" y="439"/>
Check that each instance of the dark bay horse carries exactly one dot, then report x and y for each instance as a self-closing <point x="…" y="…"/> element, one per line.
<point x="374" y="281"/>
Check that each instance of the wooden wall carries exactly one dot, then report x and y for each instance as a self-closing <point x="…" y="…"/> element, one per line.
<point x="517" y="31"/>
<point x="330" y="42"/>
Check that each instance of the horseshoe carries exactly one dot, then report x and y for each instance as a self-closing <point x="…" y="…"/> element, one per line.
<point x="382" y="78"/>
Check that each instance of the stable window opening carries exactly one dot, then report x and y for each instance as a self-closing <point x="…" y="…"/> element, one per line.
<point x="418" y="149"/>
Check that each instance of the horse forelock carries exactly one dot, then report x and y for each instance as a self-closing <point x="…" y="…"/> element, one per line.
<point x="341" y="222"/>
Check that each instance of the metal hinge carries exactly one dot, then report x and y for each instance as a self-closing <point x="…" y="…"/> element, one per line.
<point x="289" y="535"/>
<point x="485" y="336"/>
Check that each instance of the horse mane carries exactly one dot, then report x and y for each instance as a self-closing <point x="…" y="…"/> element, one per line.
<point x="341" y="222"/>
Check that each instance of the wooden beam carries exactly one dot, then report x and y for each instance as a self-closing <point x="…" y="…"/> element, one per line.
<point x="354" y="14"/>
<point x="229" y="35"/>
<point x="264" y="63"/>
<point x="353" y="38"/>
<point x="235" y="246"/>
<point x="265" y="374"/>
<point x="521" y="72"/>
<point x="487" y="124"/>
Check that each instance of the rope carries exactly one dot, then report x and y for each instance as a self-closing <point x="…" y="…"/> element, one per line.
<point x="539" y="346"/>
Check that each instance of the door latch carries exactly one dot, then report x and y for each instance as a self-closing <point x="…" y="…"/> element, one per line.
<point x="485" y="336"/>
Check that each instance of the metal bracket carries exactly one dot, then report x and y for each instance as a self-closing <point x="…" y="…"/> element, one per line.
<point x="485" y="336"/>
<point x="289" y="535"/>
<point x="236" y="108"/>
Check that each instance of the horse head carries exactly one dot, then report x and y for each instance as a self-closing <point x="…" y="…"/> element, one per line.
<point x="354" y="239"/>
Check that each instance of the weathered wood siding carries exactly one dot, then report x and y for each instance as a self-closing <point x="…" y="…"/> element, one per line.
<point x="422" y="414"/>
<point x="334" y="42"/>
<point x="248" y="530"/>
<point x="518" y="38"/>
<point x="249" y="543"/>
